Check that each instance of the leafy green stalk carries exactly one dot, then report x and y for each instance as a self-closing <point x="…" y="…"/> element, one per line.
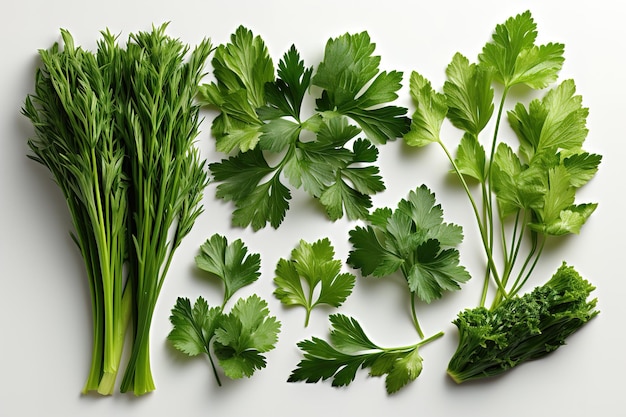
<point x="414" y="240"/>
<point x="527" y="193"/>
<point x="73" y="112"/>
<point x="159" y="123"/>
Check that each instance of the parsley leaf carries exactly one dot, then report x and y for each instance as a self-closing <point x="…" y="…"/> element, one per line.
<point x="430" y="112"/>
<point x="415" y="240"/>
<point x="245" y="333"/>
<point x="469" y="95"/>
<point x="237" y="338"/>
<point x="193" y="328"/>
<point x="516" y="59"/>
<point x="354" y="87"/>
<point x="261" y="119"/>
<point x="241" y="68"/>
<point x="312" y="277"/>
<point x="349" y="350"/>
<point x="229" y="262"/>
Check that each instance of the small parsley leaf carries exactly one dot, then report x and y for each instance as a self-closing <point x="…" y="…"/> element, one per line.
<point x="246" y="332"/>
<point x="349" y="350"/>
<point x="415" y="240"/>
<point x="229" y="262"/>
<point x="312" y="277"/>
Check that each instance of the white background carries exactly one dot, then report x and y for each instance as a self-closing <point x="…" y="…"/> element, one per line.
<point x="44" y="304"/>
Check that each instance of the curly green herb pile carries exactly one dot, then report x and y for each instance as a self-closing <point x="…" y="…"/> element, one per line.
<point x="526" y="195"/>
<point x="116" y="129"/>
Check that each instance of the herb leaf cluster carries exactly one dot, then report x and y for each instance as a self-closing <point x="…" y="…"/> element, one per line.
<point x="261" y="119"/>
<point x="526" y="194"/>
<point x="312" y="277"/>
<point x="235" y="339"/>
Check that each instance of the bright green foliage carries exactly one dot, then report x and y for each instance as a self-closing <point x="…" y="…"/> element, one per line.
<point x="160" y="121"/>
<point x="349" y="350"/>
<point x="514" y="57"/>
<point x="521" y="328"/>
<point x="312" y="277"/>
<point x="73" y="113"/>
<point x="238" y="338"/>
<point x="353" y="86"/>
<point x="261" y="119"/>
<point x="412" y="239"/>
<point x="245" y="333"/>
<point x="116" y="128"/>
<point x="229" y="262"/>
<point x="528" y="192"/>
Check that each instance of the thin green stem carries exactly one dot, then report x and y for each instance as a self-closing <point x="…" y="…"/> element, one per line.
<point x="483" y="232"/>
<point x="519" y="282"/>
<point x="416" y="323"/>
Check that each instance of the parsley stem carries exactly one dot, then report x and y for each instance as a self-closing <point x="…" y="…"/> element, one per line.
<point x="414" y="317"/>
<point x="481" y="227"/>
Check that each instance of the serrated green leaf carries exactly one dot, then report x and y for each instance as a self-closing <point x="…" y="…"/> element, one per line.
<point x="267" y="203"/>
<point x="229" y="262"/>
<point x="469" y="95"/>
<point x="370" y="255"/>
<point x="435" y="271"/>
<point x="430" y="111"/>
<point x="193" y="328"/>
<point x="312" y="268"/>
<point x="471" y="159"/>
<point x="348" y="75"/>
<point x="406" y="368"/>
<point x="515" y="58"/>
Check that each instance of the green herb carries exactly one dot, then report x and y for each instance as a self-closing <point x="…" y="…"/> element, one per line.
<point x="117" y="129"/>
<point x="521" y="328"/>
<point x="73" y="111"/>
<point x="312" y="277"/>
<point x="349" y="350"/>
<point x="238" y="338"/>
<point x="261" y="119"/>
<point x="413" y="240"/>
<point x="526" y="195"/>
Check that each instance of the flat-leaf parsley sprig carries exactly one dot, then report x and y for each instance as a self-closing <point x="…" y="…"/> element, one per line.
<point x="261" y="119"/>
<point x="312" y="277"/>
<point x="236" y="339"/>
<point x="525" y="195"/>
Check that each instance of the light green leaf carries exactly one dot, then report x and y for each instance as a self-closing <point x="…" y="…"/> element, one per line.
<point x="469" y="95"/>
<point x="430" y="111"/>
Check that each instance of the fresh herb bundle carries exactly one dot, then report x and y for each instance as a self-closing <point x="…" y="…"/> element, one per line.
<point x="525" y="196"/>
<point x="116" y="128"/>
<point x="73" y="111"/>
